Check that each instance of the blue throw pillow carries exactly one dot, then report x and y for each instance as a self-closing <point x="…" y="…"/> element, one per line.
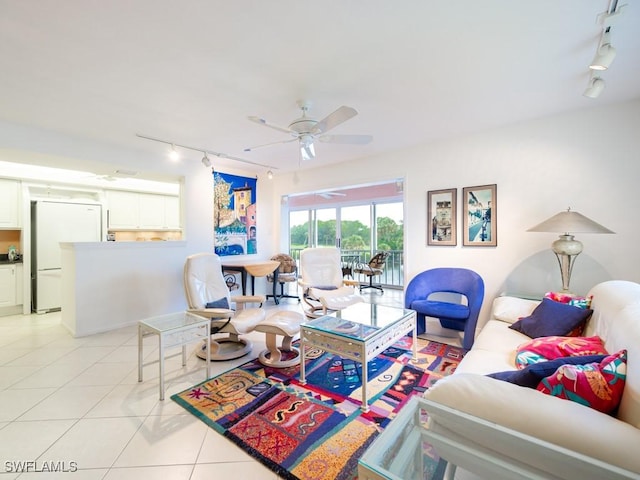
<point x="552" y="319"/>
<point x="533" y="374"/>
<point x="220" y="303"/>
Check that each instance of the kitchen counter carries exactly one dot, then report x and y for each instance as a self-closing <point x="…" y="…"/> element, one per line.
<point x="110" y="285"/>
<point x="4" y="260"/>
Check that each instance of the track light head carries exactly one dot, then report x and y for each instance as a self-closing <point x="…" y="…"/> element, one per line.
<point x="173" y="154"/>
<point x="605" y="54"/>
<point x="269" y="174"/>
<point x="595" y="88"/>
<point x="205" y="160"/>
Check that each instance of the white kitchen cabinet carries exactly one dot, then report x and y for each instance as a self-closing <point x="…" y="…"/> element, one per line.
<point x="123" y="209"/>
<point x="8" y="285"/>
<point x="143" y="211"/>
<point x="19" y="284"/>
<point x="151" y="212"/>
<point x="9" y="204"/>
<point x="172" y="212"/>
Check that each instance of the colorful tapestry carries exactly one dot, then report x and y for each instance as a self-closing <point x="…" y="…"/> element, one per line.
<point x="234" y="214"/>
<point x="317" y="430"/>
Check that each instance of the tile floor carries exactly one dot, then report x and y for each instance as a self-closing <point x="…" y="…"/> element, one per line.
<point x="75" y="404"/>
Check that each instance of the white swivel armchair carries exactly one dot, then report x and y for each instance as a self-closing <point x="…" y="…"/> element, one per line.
<point x="323" y="286"/>
<point x="208" y="296"/>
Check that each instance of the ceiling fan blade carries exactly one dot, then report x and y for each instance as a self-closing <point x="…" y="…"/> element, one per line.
<point x="262" y="121"/>
<point x="250" y="149"/>
<point x="334" y="119"/>
<point x="346" y="139"/>
<point x="329" y="195"/>
<point x="307" y="151"/>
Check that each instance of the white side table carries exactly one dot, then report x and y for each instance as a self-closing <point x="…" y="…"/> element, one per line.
<point x="174" y="329"/>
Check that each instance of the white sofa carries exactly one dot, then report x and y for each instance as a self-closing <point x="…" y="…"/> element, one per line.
<point x="501" y="430"/>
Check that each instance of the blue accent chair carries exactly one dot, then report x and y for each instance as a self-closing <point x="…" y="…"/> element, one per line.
<point x="455" y="316"/>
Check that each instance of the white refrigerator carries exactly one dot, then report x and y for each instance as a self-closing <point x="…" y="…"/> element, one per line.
<point x="53" y="222"/>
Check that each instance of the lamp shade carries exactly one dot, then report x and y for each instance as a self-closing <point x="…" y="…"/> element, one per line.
<point x="569" y="222"/>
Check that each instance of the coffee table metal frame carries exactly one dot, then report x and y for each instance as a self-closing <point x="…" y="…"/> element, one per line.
<point x="355" y="347"/>
<point x="174" y="329"/>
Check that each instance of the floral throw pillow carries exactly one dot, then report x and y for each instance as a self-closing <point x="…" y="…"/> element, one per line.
<point x="549" y="348"/>
<point x="595" y="385"/>
<point x="576" y="301"/>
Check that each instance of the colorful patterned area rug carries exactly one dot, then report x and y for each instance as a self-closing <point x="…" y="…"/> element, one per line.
<point x="318" y="431"/>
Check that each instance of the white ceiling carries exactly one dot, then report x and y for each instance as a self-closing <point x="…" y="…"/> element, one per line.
<point x="192" y="71"/>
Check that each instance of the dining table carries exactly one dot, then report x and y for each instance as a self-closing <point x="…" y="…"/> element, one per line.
<point x="255" y="268"/>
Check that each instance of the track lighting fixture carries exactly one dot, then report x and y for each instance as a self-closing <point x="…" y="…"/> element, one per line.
<point x="605" y="53"/>
<point x="269" y="174"/>
<point x="206" y="161"/>
<point x="596" y="85"/>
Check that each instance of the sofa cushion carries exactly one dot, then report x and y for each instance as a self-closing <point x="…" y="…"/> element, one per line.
<point x="511" y="309"/>
<point x="533" y="374"/>
<point x="550" y="348"/>
<point x="596" y="385"/>
<point x="552" y="318"/>
<point x="543" y="416"/>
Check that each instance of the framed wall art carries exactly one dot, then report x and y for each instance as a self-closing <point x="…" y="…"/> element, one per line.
<point x="480" y="216"/>
<point x="441" y="224"/>
<point x="234" y="214"/>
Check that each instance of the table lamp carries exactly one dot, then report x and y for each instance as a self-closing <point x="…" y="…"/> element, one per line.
<point x="566" y="247"/>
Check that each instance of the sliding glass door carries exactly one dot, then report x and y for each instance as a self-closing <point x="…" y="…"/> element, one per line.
<point x="360" y="231"/>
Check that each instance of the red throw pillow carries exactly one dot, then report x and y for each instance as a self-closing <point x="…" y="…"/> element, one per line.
<point x="595" y="385"/>
<point x="549" y="348"/>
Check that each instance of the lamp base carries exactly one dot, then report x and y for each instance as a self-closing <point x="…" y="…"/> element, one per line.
<point x="566" y="249"/>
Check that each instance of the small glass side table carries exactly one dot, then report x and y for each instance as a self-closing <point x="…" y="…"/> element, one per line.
<point x="174" y="329"/>
<point x="400" y="453"/>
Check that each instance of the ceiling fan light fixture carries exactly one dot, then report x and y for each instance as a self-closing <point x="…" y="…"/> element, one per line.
<point x="306" y="151"/>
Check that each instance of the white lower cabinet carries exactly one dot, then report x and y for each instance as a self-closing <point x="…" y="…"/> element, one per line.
<point x="8" y="285"/>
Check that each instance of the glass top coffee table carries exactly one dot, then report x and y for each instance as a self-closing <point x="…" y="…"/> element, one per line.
<point x="401" y="450"/>
<point x="360" y="332"/>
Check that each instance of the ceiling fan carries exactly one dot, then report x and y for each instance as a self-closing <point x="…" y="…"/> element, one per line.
<point x="306" y="130"/>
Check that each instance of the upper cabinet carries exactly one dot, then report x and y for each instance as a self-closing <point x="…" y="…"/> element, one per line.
<point x="142" y="211"/>
<point x="9" y="204"/>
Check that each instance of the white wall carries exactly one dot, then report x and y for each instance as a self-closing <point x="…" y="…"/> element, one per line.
<point x="586" y="160"/>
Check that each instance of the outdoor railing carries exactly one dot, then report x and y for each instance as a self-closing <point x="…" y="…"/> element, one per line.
<point x="392" y="274"/>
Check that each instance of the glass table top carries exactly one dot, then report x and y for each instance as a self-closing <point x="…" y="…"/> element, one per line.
<point x="359" y="321"/>
<point x="172" y="321"/>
